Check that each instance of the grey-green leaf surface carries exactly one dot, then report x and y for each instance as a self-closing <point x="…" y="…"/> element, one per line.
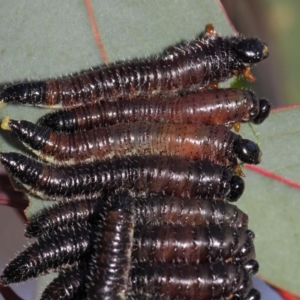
<point x="40" y="39"/>
<point x="274" y="206"/>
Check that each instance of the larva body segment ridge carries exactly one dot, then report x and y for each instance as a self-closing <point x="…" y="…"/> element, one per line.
<point x="69" y="285"/>
<point x="210" y="281"/>
<point x="110" y="262"/>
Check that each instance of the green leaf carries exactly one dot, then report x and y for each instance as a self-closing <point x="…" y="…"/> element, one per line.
<point x="40" y="39"/>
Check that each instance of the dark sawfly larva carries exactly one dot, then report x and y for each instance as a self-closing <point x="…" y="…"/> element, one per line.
<point x="190" y="66"/>
<point x="68" y="285"/>
<point x="209" y="281"/>
<point x="155" y="210"/>
<point x="157" y="174"/>
<point x="154" y="243"/>
<point x="115" y="234"/>
<point x="114" y="237"/>
<point x="49" y="252"/>
<point x="110" y="261"/>
<point x="191" y="244"/>
<point x="211" y="107"/>
<point x="193" y="141"/>
<point x="60" y="215"/>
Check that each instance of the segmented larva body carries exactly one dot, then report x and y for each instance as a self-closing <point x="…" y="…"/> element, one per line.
<point x="188" y="67"/>
<point x="209" y="281"/>
<point x="191" y="244"/>
<point x="49" y="252"/>
<point x="61" y="215"/>
<point x="162" y="209"/>
<point x="117" y="237"/>
<point x="158" y="174"/>
<point x="193" y="141"/>
<point x="110" y="262"/>
<point x="155" y="210"/>
<point x="211" y="107"/>
<point x="67" y="286"/>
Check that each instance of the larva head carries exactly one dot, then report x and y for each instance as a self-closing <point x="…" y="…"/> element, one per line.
<point x="251" y="234"/>
<point x="245" y="287"/>
<point x="237" y="186"/>
<point x="247" y="151"/>
<point x="250" y="50"/>
<point x="251" y="267"/>
<point x="247" y="251"/>
<point x="263" y="113"/>
<point x="253" y="295"/>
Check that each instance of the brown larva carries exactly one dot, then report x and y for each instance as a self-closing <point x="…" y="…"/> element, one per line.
<point x="211" y="107"/>
<point x="193" y="141"/>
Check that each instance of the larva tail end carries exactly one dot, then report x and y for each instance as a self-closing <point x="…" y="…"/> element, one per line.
<point x="21" y="167"/>
<point x="4" y="280"/>
<point x="5" y="123"/>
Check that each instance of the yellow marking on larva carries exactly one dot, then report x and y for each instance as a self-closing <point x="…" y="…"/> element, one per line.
<point x="4" y="124"/>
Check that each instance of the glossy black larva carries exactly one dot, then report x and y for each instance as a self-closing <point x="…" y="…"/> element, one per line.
<point x="49" y="252"/>
<point x="194" y="141"/>
<point x="191" y="244"/>
<point x="159" y="174"/>
<point x="68" y="285"/>
<point x="60" y="215"/>
<point x="210" y="281"/>
<point x="149" y="243"/>
<point x="210" y="107"/>
<point x="188" y="67"/>
<point x="110" y="261"/>
<point x="155" y="210"/>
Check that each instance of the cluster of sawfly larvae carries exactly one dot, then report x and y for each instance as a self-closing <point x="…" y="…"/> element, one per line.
<point x="142" y="163"/>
